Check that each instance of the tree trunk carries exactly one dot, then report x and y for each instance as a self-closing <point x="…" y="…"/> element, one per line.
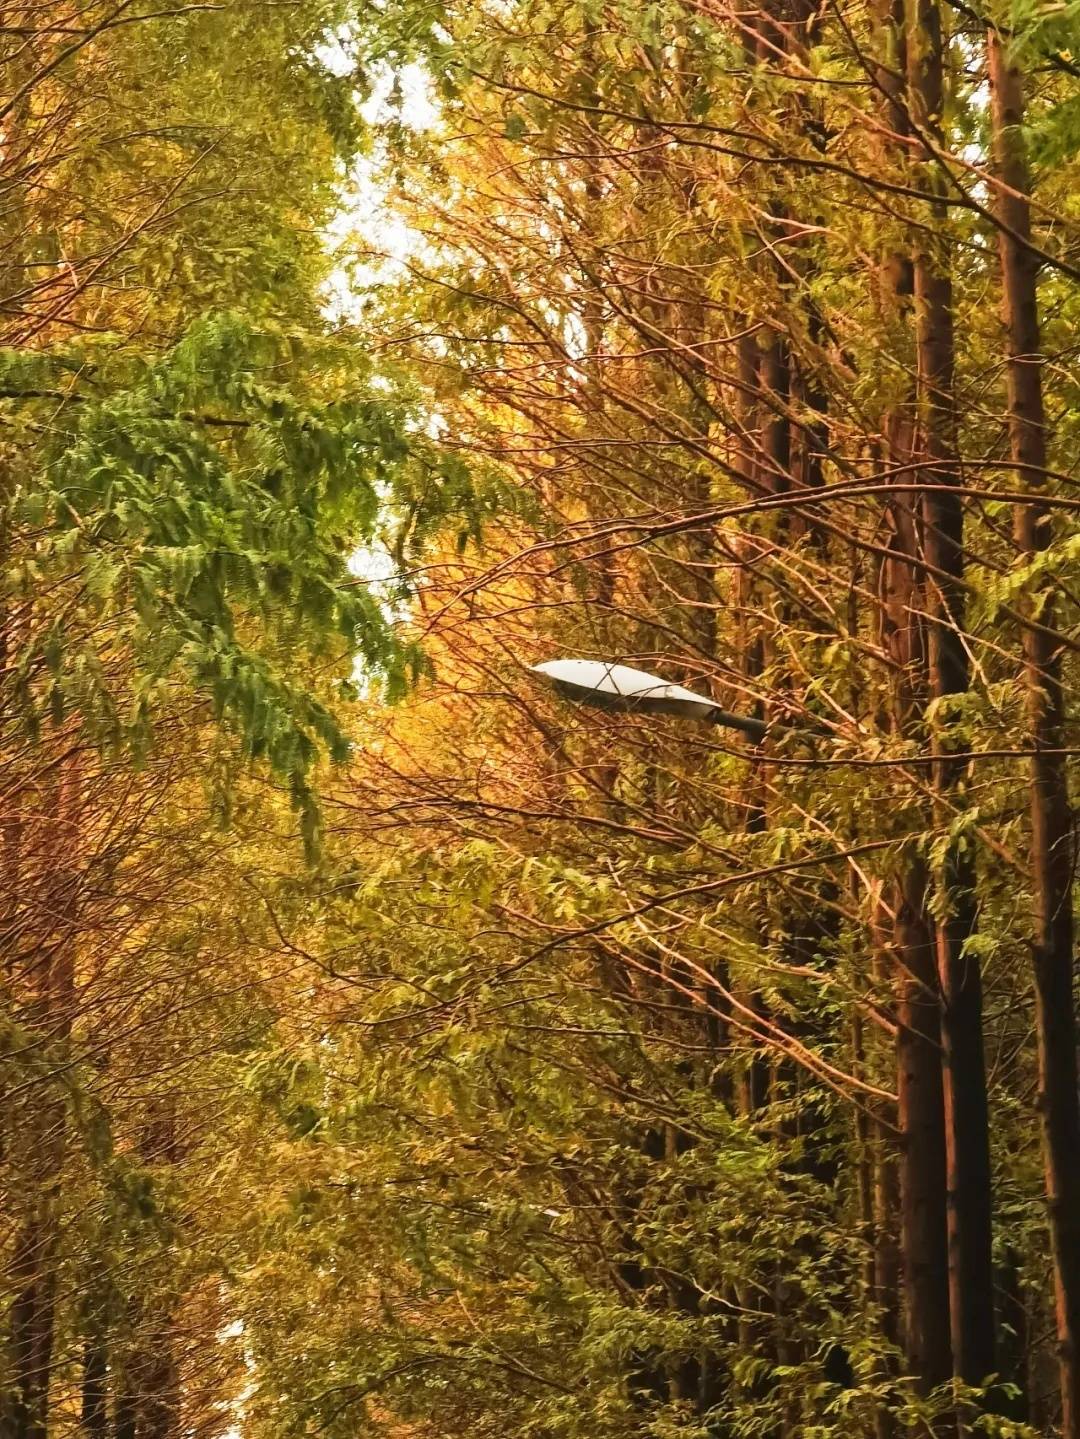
<point x="971" y="1290"/>
<point x="1051" y="817"/>
<point x="920" y="1100"/>
<point x="95" y="1415"/>
<point x="923" y="1239"/>
<point x="50" y="981"/>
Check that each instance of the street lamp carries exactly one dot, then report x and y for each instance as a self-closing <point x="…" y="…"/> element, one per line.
<point x="610" y="686"/>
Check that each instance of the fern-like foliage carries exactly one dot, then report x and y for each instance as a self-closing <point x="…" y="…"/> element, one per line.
<point x="187" y="520"/>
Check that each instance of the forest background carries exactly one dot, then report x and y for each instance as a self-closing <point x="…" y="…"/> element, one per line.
<point x="388" y="1047"/>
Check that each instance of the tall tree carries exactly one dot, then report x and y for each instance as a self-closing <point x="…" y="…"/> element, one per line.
<point x="967" y="1138"/>
<point x="1051" y="818"/>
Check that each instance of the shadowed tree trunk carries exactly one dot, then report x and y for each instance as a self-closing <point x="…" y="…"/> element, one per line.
<point x="923" y="1237"/>
<point x="95" y="1414"/>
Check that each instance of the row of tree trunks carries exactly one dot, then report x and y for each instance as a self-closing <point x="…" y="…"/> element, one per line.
<point x="127" y="1397"/>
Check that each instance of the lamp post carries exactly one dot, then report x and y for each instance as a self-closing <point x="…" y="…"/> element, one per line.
<point x="610" y="686"/>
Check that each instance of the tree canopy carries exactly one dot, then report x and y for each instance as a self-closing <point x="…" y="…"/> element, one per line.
<point x="389" y="1046"/>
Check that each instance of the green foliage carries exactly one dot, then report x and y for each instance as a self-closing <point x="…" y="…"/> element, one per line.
<point x="197" y="512"/>
<point x="555" y="1093"/>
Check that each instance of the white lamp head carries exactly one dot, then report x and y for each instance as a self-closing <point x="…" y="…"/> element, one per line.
<point x="618" y="687"/>
<point x="611" y="686"/>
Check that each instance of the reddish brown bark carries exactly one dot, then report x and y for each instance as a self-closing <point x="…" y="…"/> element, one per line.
<point x="923" y="1245"/>
<point x="1051" y="839"/>
<point x="923" y="1241"/>
<point x="971" y="1291"/>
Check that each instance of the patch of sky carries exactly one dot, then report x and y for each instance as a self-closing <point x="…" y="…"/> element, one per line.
<point x="370" y="241"/>
<point x="372" y="246"/>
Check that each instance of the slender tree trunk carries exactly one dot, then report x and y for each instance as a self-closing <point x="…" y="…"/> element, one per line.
<point x="1013" y="1346"/>
<point x="971" y="1290"/>
<point x="95" y="1415"/>
<point x="920" y="1094"/>
<point x="51" y="983"/>
<point x="920" y="1106"/>
<point x="880" y="1186"/>
<point x="923" y="1240"/>
<point x="125" y="1414"/>
<point x="1051" y="816"/>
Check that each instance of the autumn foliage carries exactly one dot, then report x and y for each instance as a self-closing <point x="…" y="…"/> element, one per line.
<point x="390" y="1047"/>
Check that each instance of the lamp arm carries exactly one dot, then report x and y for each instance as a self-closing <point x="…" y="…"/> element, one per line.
<point x="755" y="728"/>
